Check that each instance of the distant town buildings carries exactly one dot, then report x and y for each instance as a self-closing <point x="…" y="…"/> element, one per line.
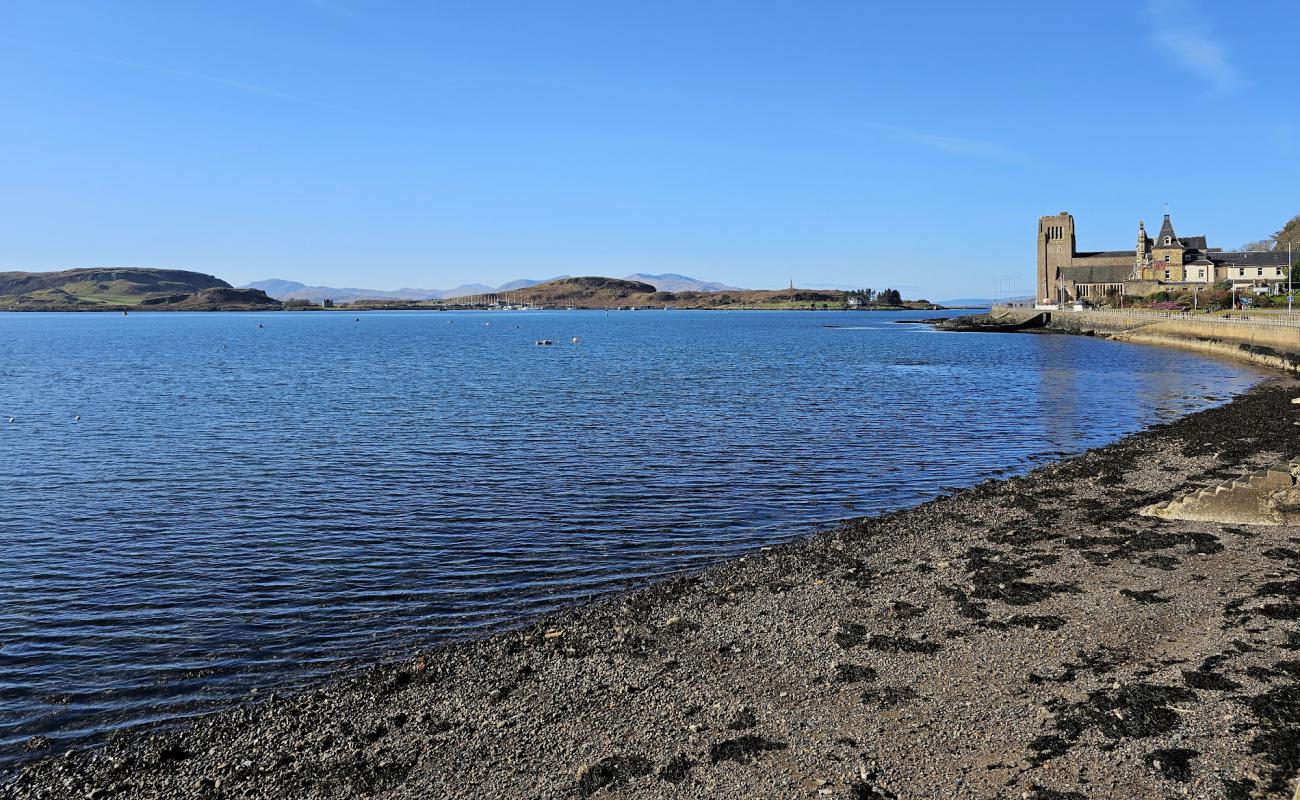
<point x="1162" y="263"/>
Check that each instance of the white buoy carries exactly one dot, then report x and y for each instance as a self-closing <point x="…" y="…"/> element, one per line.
<point x="575" y="340"/>
<point x="77" y="418"/>
<point x="11" y="419"/>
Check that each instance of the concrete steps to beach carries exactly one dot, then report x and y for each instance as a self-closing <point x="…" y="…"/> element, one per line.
<point x="1270" y="496"/>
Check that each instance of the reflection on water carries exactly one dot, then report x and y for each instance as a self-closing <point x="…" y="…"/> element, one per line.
<point x="249" y="501"/>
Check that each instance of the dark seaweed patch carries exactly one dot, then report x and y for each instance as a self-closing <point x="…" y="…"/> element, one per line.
<point x="901" y="644"/>
<point x="868" y="789"/>
<point x="743" y="750"/>
<point x="1173" y="763"/>
<point x="1281" y="610"/>
<point x="677" y="769"/>
<point x="902" y="610"/>
<point x="1044" y="622"/>
<point x="1136" y="711"/>
<point x="611" y="771"/>
<point x="1145" y="597"/>
<point x="1278" y="741"/>
<point x="889" y="696"/>
<point x="854" y="673"/>
<point x="850" y="634"/>
<point x="1211" y="681"/>
<point x="965" y="607"/>
<point x="1100" y="661"/>
<point x="998" y="576"/>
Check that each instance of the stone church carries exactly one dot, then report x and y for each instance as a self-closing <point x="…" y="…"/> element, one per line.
<point x="1166" y="262"/>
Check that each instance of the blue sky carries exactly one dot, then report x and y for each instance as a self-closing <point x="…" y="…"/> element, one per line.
<point x="387" y="144"/>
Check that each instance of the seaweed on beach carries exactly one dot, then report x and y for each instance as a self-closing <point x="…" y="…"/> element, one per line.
<point x="1278" y="741"/>
<point x="889" y="697"/>
<point x="1173" y="763"/>
<point x="743" y="750"/>
<point x="677" y="769"/>
<point x="1135" y="711"/>
<point x="901" y="644"/>
<point x="1144" y="597"/>
<point x="854" y="673"/>
<point x="611" y="771"/>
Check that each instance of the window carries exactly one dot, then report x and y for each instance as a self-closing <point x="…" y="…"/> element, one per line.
<point x="1166" y="240"/>
<point x="1259" y="271"/>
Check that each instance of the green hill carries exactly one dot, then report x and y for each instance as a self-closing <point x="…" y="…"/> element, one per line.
<point x="588" y="292"/>
<point x="120" y="289"/>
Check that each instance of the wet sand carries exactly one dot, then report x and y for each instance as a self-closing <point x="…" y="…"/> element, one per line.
<point x="1026" y="638"/>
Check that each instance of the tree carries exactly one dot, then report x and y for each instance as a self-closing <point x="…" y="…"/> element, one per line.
<point x="1290" y="234"/>
<point x="889" y="297"/>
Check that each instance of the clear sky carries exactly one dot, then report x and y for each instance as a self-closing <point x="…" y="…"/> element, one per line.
<point x="386" y="144"/>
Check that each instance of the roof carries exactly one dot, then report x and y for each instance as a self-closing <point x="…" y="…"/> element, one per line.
<point x="1167" y="229"/>
<point x="1097" y="274"/>
<point x="1108" y="254"/>
<point x="1251" y="258"/>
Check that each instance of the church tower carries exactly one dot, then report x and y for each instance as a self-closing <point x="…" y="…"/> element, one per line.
<point x="1055" y="251"/>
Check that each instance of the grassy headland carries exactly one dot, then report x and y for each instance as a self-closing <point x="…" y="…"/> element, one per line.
<point x="126" y="289"/>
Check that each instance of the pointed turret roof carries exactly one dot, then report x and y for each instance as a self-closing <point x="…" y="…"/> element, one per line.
<point x="1167" y="229"/>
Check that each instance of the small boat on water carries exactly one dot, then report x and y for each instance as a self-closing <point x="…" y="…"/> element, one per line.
<point x="544" y="342"/>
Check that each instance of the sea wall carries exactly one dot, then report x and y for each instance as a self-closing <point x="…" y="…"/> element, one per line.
<point x="1268" y="342"/>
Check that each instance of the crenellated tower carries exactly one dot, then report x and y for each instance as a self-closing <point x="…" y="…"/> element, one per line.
<point x="1055" y="251"/>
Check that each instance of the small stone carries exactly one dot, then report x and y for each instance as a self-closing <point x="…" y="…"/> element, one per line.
<point x="553" y="633"/>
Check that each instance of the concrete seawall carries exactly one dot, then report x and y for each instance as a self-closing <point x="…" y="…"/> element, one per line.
<point x="1265" y="342"/>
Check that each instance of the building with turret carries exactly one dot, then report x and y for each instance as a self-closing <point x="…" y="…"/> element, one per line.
<point x="1162" y="263"/>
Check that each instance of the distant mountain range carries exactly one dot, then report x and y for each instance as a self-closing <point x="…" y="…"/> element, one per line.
<point x="672" y="282"/>
<point x="293" y="290"/>
<point x="981" y="301"/>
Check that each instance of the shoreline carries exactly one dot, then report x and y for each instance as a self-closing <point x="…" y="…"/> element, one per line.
<point x="1264" y="342"/>
<point x="1028" y="636"/>
<point x="371" y="309"/>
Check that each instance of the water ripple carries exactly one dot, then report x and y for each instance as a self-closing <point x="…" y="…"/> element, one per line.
<point x="242" y="507"/>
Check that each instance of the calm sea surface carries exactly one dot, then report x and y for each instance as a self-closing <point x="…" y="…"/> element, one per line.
<point x="249" y="501"/>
